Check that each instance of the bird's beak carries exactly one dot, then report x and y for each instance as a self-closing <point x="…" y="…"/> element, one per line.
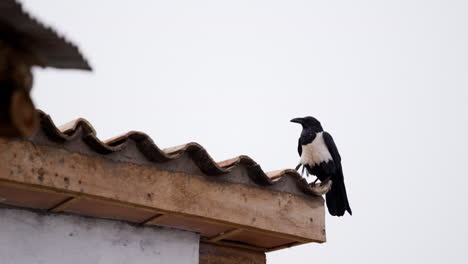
<point x="297" y="120"/>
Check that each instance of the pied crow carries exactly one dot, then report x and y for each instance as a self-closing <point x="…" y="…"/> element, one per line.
<point x="320" y="157"/>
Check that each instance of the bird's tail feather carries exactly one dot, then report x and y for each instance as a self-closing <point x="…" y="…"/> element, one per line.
<point x="337" y="199"/>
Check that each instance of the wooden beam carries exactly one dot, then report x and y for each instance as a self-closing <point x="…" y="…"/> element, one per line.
<point x="60" y="207"/>
<point x="46" y="189"/>
<point x="225" y="235"/>
<point x="284" y="246"/>
<point x="132" y="185"/>
<point x="30" y="187"/>
<point x="238" y="245"/>
<point x="210" y="253"/>
<point x="213" y="240"/>
<point x="152" y="219"/>
<point x="40" y="188"/>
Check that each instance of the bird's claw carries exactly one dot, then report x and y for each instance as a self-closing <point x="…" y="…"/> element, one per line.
<point x="321" y="188"/>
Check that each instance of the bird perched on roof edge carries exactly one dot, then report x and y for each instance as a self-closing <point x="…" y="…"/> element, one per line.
<point x="321" y="158"/>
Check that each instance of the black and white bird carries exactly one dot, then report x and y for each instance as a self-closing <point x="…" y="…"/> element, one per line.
<point x="320" y="157"/>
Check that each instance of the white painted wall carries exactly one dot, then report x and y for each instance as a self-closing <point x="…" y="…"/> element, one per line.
<point x="28" y="237"/>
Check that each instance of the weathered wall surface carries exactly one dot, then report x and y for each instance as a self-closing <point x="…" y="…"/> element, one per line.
<point x="28" y="237"/>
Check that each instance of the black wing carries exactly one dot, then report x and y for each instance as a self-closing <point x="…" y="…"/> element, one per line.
<point x="337" y="199"/>
<point x="332" y="148"/>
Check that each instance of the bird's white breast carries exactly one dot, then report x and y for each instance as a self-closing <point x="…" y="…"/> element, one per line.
<point x="315" y="152"/>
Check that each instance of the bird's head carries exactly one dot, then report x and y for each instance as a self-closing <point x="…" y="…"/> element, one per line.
<point x="309" y="122"/>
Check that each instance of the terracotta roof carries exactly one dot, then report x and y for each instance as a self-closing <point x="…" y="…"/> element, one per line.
<point x="137" y="147"/>
<point x="234" y="203"/>
<point x="23" y="31"/>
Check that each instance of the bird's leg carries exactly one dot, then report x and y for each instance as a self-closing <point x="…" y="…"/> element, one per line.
<point x="315" y="181"/>
<point x="298" y="166"/>
<point x="302" y="173"/>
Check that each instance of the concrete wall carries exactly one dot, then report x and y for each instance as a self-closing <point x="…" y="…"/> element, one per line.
<point x="28" y="237"/>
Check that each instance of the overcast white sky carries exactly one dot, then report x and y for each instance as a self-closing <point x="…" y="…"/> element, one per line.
<point x="388" y="79"/>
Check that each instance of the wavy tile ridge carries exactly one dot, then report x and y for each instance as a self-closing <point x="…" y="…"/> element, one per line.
<point x="199" y="155"/>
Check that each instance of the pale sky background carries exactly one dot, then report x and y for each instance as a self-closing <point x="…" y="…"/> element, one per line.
<point x="388" y="79"/>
